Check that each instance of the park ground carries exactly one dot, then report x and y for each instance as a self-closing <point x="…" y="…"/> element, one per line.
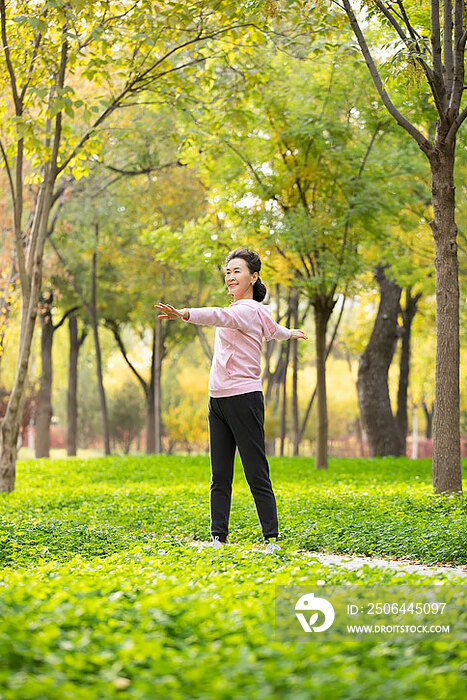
<point x="105" y="592"/>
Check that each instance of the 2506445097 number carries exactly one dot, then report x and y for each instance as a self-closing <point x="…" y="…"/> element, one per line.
<point x="404" y="607"/>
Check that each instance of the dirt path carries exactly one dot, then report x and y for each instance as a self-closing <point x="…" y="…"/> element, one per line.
<point x="351" y="562"/>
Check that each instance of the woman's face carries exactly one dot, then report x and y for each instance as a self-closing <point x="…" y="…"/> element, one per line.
<point x="239" y="279"/>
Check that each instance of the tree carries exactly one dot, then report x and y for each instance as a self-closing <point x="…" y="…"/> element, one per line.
<point x="407" y="256"/>
<point x="88" y="58"/>
<point x="373" y="391"/>
<point x="303" y="177"/>
<point x="126" y="415"/>
<point x="431" y="41"/>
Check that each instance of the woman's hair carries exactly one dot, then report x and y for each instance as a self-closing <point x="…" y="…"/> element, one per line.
<point x="253" y="262"/>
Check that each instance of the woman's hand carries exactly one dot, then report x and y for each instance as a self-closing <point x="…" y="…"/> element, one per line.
<point x="170" y="312"/>
<point x="297" y="333"/>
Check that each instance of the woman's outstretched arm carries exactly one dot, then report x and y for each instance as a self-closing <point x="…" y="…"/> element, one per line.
<point x="213" y="316"/>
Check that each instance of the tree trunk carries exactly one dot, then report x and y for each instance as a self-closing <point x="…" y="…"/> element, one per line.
<point x="294" y="351"/>
<point x="6" y="306"/>
<point x="150" y="402"/>
<point x="44" y="398"/>
<point x="30" y="299"/>
<point x="447" y="477"/>
<point x="272" y="379"/>
<point x="72" y="401"/>
<point x="411" y="305"/>
<point x="372" y="383"/>
<point x="95" y="332"/>
<point x="429" y="420"/>
<point x="328" y="350"/>
<point x="150" y="422"/>
<point x="414" y="433"/>
<point x="322" y="307"/>
<point x="157" y="387"/>
<point x="72" y="393"/>
<point x="446" y="81"/>
<point x="283" y="427"/>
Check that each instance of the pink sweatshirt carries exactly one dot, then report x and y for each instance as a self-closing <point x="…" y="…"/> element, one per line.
<point x="236" y="365"/>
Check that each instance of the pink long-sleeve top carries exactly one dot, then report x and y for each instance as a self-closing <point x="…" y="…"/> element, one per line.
<point x="241" y="327"/>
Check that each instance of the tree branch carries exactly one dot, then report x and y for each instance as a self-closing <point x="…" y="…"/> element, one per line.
<point x="448" y="54"/>
<point x="435" y="82"/>
<point x="64" y="317"/>
<point x="139" y="82"/>
<point x="112" y="324"/>
<point x="10" y="178"/>
<point x="50" y="167"/>
<point x="59" y="117"/>
<point x="352" y="202"/>
<point x="8" y="61"/>
<point x="422" y="141"/>
<point x="436" y="40"/>
<point x="143" y="171"/>
<point x="458" y="66"/>
<point x="37" y="43"/>
<point x="455" y="126"/>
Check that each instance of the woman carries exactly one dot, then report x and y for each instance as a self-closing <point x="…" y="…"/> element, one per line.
<point x="236" y="407"/>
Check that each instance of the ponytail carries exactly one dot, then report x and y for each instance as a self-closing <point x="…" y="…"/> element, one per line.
<point x="259" y="290"/>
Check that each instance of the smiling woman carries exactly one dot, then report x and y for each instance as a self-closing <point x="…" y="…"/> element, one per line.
<point x="236" y="404"/>
<point x="242" y="275"/>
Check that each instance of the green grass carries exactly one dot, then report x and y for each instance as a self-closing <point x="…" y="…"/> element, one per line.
<point x="100" y="506"/>
<point x="101" y="597"/>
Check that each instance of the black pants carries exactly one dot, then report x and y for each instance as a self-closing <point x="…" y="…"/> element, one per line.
<point x="238" y="421"/>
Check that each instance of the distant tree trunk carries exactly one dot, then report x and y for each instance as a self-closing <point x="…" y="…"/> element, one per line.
<point x="285" y="357"/>
<point x="72" y="402"/>
<point x="95" y="331"/>
<point x="72" y="392"/>
<point x="294" y="351"/>
<point x="408" y="313"/>
<point x="273" y="378"/>
<point x="414" y="433"/>
<point x="150" y="403"/>
<point x="150" y="421"/>
<point x="6" y="306"/>
<point x="44" y="397"/>
<point x="328" y="350"/>
<point x="322" y="307"/>
<point x="372" y="383"/>
<point x="283" y="427"/>
<point x="157" y="387"/>
<point x="429" y="420"/>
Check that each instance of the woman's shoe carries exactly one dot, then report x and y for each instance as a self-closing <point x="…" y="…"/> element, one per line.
<point x="271" y="547"/>
<point x="215" y="543"/>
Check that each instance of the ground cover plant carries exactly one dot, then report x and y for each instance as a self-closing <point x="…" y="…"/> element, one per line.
<point x="103" y="594"/>
<point x="100" y="506"/>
